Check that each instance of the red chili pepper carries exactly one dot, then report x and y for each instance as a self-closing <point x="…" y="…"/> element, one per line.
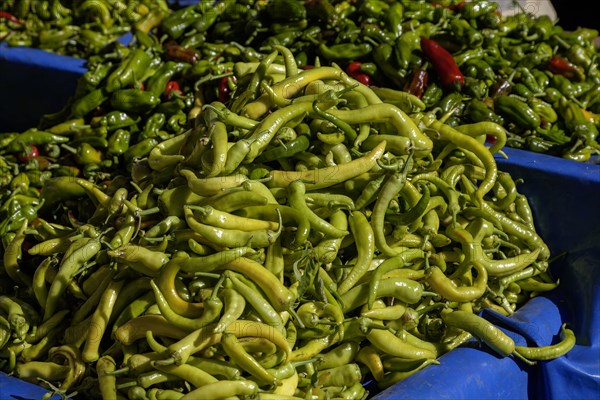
<point x="353" y="67"/>
<point x="179" y="53"/>
<point x="561" y="66"/>
<point x="10" y="17"/>
<point x="443" y="63"/>
<point x="172" y="87"/>
<point x="491" y="139"/>
<point x="308" y="67"/>
<point x="362" y="78"/>
<point x="417" y="83"/>
<point x="224" y="90"/>
<point x="29" y="154"/>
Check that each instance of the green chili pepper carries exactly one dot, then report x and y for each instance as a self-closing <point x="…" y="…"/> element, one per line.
<point x="517" y="112"/>
<point x="139" y="149"/>
<point x="475" y="88"/>
<point x="133" y="100"/>
<point x="543" y="109"/>
<point x="521" y="90"/>
<point x="552" y="351"/>
<point x="86" y="154"/>
<point x="34" y="136"/>
<point x="464" y="32"/>
<point x="374" y="32"/>
<point x="286" y="10"/>
<point x="394" y="18"/>
<point x="115" y="120"/>
<point x="450" y="103"/>
<point x="482" y="68"/>
<point x="171" y="107"/>
<point x="158" y="81"/>
<point x="80" y="253"/>
<point x="470" y="54"/>
<point x="478" y="111"/>
<point x="285" y="38"/>
<point x="382" y="55"/>
<point x="482" y="329"/>
<point x="432" y="95"/>
<point x="345" y="51"/>
<point x="301" y="143"/>
<point x="132" y="68"/>
<point x="118" y="143"/>
<point x="212" y="310"/>
<point x="575" y="121"/>
<point x="178" y="21"/>
<point x="259" y="302"/>
<point x="374" y="8"/>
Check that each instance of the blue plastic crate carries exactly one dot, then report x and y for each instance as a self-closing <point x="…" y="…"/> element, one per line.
<point x="565" y="199"/>
<point x="35" y="82"/>
<point x="12" y="388"/>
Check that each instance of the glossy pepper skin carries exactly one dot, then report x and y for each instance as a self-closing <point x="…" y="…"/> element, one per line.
<point x="478" y="111"/>
<point x="133" y="100"/>
<point x="88" y="103"/>
<point x="383" y="56"/>
<point x="115" y="120"/>
<point x="464" y="32"/>
<point x="345" y="51"/>
<point x="443" y="62"/>
<point x="178" y="21"/>
<point x="157" y="83"/>
<point x="417" y="83"/>
<point x="34" y="136"/>
<point x="576" y="122"/>
<point x="476" y="9"/>
<point x="405" y="44"/>
<point x="517" y="112"/>
<point x="432" y="94"/>
<point x="118" y="142"/>
<point x="130" y="69"/>
<point x="562" y="66"/>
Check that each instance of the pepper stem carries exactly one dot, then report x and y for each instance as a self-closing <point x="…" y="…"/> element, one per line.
<point x="136" y="187"/>
<point x="216" y="288"/>
<point x="210" y="77"/>
<point x="296" y="318"/>
<point x="68" y="148"/>
<point x="209" y="275"/>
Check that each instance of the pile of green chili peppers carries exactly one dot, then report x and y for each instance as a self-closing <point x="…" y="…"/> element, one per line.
<point x="77" y="28"/>
<point x="294" y="240"/>
<point x="521" y="71"/>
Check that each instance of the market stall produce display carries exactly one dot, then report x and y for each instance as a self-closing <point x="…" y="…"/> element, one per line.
<point x="285" y="231"/>
<point x="78" y="28"/>
<point x="522" y="70"/>
<point x="207" y="216"/>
